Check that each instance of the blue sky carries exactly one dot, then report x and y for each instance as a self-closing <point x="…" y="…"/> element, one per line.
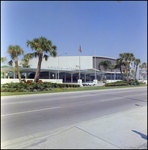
<point x="107" y="26"/>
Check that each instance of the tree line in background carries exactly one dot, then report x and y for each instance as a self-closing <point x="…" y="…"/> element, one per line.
<point x="43" y="46"/>
<point x="124" y="60"/>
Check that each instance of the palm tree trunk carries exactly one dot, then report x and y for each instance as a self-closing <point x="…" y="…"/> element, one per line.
<point x="127" y="71"/>
<point x="102" y="77"/>
<point x="38" y="67"/>
<point x="121" y="73"/>
<point x="18" y="72"/>
<point x="135" y="73"/>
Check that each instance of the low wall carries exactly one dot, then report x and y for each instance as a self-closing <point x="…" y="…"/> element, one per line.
<point x="109" y="81"/>
<point x="3" y="81"/>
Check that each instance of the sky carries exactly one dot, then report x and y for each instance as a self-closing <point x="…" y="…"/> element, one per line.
<point x="104" y="28"/>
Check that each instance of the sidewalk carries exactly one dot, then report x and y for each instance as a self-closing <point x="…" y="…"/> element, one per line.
<point x="125" y="130"/>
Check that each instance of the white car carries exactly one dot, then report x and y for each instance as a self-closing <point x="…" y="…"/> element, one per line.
<point x="145" y="81"/>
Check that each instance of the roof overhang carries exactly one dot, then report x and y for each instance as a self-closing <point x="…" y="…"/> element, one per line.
<point x="27" y="70"/>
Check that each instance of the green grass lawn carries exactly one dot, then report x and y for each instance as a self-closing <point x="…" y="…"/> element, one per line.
<point x="54" y="90"/>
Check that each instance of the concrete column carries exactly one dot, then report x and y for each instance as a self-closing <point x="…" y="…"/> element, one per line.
<point x="71" y="78"/>
<point x="85" y="77"/>
<point x="80" y="82"/>
<point x="8" y="76"/>
<point x="49" y="74"/>
<point x="56" y="77"/>
<point x="114" y="75"/>
<point x="26" y="75"/>
<point x="4" y="75"/>
<point x="65" y="76"/>
<point x="14" y="75"/>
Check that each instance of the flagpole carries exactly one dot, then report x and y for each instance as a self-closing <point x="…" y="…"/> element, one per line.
<point x="79" y="62"/>
<point x="95" y="63"/>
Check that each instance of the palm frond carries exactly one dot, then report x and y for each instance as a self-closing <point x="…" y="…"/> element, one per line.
<point x="46" y="57"/>
<point x="3" y="59"/>
<point x="10" y="63"/>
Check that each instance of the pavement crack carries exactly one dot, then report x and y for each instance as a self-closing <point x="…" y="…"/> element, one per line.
<point x="97" y="137"/>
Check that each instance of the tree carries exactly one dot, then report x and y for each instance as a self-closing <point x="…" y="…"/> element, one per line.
<point x="3" y="59"/>
<point x="14" y="52"/>
<point x="106" y="65"/>
<point x="144" y="65"/>
<point x="119" y="64"/>
<point x="41" y="45"/>
<point x="127" y="58"/>
<point x="112" y="67"/>
<point x="136" y="63"/>
<point x="10" y="63"/>
<point x="25" y="60"/>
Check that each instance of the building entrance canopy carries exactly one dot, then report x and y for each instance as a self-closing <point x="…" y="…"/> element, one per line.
<point x="73" y="74"/>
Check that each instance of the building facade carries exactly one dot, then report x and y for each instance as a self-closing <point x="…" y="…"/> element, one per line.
<point x="68" y="69"/>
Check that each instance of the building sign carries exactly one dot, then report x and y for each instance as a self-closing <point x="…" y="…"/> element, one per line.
<point x="143" y="74"/>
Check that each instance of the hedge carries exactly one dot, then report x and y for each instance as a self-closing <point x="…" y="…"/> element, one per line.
<point x="123" y="83"/>
<point x="31" y="86"/>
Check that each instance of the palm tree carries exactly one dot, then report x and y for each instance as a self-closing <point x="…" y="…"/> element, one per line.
<point x="10" y="63"/>
<point x="14" y="52"/>
<point x="144" y="65"/>
<point x="136" y="63"/>
<point x="106" y="65"/>
<point x="3" y="59"/>
<point x="41" y="45"/>
<point x="25" y="60"/>
<point x="112" y="67"/>
<point x="119" y="64"/>
<point x="128" y="58"/>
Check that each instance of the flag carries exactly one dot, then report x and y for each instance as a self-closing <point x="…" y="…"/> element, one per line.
<point x="80" y="49"/>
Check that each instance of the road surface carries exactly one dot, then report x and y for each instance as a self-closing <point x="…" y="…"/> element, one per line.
<point x="30" y="114"/>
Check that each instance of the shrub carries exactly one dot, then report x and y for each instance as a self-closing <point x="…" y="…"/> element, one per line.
<point x="29" y="82"/>
<point x="39" y="81"/>
<point x="31" y="86"/>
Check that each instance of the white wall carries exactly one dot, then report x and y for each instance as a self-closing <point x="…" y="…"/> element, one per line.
<point x="3" y="81"/>
<point x="65" y="62"/>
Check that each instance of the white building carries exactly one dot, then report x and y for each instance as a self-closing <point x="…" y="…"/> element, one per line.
<point x="67" y="67"/>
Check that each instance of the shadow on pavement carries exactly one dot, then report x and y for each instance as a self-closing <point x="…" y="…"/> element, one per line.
<point x="142" y="135"/>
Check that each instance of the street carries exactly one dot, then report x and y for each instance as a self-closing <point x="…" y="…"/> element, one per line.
<point x="30" y="114"/>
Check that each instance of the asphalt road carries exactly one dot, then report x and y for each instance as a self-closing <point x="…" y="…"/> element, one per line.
<point x="30" y="114"/>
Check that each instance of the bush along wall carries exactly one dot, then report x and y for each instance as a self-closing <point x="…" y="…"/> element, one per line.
<point x="123" y="83"/>
<point x="30" y="86"/>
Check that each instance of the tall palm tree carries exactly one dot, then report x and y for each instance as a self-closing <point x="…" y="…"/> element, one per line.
<point x="106" y="65"/>
<point x="41" y="45"/>
<point x="128" y="58"/>
<point x="119" y="64"/>
<point x="136" y="63"/>
<point x="14" y="52"/>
